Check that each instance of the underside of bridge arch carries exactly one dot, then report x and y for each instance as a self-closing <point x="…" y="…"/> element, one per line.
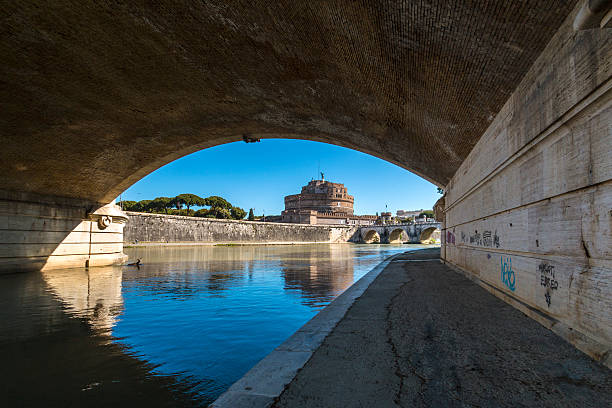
<point x="429" y="235"/>
<point x="97" y="95"/>
<point x="397" y="236"/>
<point x="371" y="237"/>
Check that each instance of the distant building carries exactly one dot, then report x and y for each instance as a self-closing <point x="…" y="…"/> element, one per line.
<point x="323" y="202"/>
<point x="408" y="214"/>
<point x="423" y="220"/>
<point x="385" y="218"/>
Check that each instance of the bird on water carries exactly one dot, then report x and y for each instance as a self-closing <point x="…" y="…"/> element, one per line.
<point x="137" y="263"/>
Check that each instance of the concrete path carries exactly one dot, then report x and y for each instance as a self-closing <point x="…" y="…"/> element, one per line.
<point x="422" y="335"/>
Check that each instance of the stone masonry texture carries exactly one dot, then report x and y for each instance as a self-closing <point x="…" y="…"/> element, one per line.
<point x="96" y="95"/>
<point x="168" y="228"/>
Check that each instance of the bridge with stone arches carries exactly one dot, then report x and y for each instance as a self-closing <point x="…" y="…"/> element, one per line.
<point x="400" y="233"/>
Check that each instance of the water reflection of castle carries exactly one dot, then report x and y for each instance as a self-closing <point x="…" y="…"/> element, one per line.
<point x="319" y="275"/>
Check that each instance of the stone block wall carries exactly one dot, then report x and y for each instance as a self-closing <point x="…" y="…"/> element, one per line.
<point x="42" y="232"/>
<point x="529" y="212"/>
<point x="170" y="228"/>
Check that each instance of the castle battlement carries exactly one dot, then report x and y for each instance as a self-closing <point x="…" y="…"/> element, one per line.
<point x="323" y="202"/>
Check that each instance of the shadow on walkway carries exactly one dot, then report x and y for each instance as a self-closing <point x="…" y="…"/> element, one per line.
<point x="423" y="335"/>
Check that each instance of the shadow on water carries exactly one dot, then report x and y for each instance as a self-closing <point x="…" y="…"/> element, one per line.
<point x="59" y="353"/>
<point x="178" y="331"/>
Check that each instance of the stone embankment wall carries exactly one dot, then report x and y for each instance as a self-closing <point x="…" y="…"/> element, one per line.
<point x="529" y="212"/>
<point x="170" y="228"/>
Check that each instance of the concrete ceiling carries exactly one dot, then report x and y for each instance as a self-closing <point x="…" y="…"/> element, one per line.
<point x="95" y="96"/>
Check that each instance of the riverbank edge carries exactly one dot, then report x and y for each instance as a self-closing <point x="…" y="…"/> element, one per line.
<point x="263" y="383"/>
<point x="187" y="243"/>
<point x="165" y="244"/>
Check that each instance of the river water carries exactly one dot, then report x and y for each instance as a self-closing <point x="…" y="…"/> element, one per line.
<point x="178" y="331"/>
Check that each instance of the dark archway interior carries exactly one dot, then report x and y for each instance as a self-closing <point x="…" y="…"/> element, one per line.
<point x="372" y="237"/>
<point x="396" y="236"/>
<point x="97" y="95"/>
<point x="428" y="234"/>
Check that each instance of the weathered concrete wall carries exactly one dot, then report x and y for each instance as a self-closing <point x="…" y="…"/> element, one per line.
<point x="529" y="212"/>
<point x="171" y="228"/>
<point x="41" y="232"/>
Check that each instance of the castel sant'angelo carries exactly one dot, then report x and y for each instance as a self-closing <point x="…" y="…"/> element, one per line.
<point x="323" y="202"/>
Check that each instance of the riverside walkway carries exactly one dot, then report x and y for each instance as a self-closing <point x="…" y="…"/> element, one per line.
<point x="423" y="335"/>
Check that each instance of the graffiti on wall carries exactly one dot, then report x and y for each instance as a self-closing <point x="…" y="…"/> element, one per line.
<point x="475" y="238"/>
<point x="487" y="238"/>
<point x="548" y="280"/>
<point x="508" y="277"/>
<point x="450" y="237"/>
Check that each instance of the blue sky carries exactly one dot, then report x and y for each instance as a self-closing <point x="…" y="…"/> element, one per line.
<point x="260" y="175"/>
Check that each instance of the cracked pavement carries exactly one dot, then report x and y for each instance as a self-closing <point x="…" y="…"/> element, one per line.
<point x="423" y="335"/>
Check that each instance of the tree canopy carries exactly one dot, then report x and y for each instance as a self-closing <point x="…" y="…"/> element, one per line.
<point x="142" y="206"/>
<point x="237" y="213"/>
<point x="127" y="205"/>
<point x="217" y="202"/>
<point x="161" y="204"/>
<point x="190" y="200"/>
<point x="184" y="203"/>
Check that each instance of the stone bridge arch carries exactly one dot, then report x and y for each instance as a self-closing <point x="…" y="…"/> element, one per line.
<point x="106" y="112"/>
<point x="429" y="233"/>
<point x="397" y="235"/>
<point x="370" y="236"/>
<point x="86" y="115"/>
<point x="96" y="96"/>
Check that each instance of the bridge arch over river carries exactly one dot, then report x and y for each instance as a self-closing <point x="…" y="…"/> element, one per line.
<point x="488" y="100"/>
<point x="399" y="233"/>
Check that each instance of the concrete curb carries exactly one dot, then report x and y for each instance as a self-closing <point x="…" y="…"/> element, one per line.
<point x="259" y="387"/>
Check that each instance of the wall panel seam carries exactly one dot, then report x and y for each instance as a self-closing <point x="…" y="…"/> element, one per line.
<point x="593" y="97"/>
<point x="583" y="189"/>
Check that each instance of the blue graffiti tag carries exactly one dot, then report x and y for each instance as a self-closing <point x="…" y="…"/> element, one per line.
<point x="507" y="274"/>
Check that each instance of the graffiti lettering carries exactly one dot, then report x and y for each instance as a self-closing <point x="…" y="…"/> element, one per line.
<point x="450" y="237"/>
<point x="496" y="240"/>
<point x="508" y="277"/>
<point x="475" y="239"/>
<point x="487" y="239"/>
<point x="547" y="280"/>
